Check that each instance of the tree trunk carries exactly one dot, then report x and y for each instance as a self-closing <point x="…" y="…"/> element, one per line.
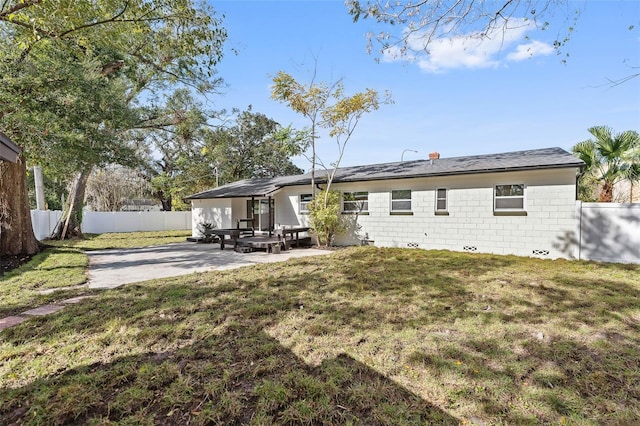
<point x="606" y="193"/>
<point x="16" y="236"/>
<point x="166" y="201"/>
<point x="70" y="222"/>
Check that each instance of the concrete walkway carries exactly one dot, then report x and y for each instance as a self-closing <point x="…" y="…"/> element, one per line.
<point x="113" y="268"/>
<point x="12" y="320"/>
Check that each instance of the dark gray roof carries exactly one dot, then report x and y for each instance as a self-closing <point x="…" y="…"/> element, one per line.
<point x="548" y="158"/>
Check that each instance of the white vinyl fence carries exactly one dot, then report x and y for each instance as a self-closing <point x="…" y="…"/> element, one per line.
<point x="609" y="232"/>
<point x="44" y="221"/>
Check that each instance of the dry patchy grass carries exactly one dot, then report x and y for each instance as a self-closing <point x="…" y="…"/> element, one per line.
<point x="363" y="336"/>
<point x="59" y="271"/>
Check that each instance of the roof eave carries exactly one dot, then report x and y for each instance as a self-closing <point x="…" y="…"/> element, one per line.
<point x="464" y="172"/>
<point x="265" y="194"/>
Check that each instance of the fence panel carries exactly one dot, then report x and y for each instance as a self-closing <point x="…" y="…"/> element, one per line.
<point x="101" y="222"/>
<point x="44" y="221"/>
<point x="609" y="232"/>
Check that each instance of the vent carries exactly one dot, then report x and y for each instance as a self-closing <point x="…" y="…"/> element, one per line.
<point x="470" y="248"/>
<point x="413" y="245"/>
<point x="541" y="252"/>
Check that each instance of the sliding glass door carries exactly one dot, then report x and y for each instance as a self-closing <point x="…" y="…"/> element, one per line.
<point x="263" y="211"/>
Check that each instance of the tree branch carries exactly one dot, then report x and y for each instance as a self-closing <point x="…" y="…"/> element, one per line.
<point x="18" y="7"/>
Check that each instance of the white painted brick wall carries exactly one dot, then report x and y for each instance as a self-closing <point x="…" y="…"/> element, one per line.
<point x="550" y="207"/>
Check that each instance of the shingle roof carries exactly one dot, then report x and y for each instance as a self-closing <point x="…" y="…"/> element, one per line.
<point x="548" y="158"/>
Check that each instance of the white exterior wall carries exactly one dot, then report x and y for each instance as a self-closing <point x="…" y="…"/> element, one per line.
<point x="288" y="207"/>
<point x="549" y="226"/>
<point x="216" y="211"/>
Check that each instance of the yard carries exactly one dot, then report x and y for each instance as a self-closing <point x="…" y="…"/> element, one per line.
<point x="363" y="336"/>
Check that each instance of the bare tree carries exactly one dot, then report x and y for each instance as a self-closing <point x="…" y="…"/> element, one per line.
<point x="110" y="188"/>
<point x="425" y="21"/>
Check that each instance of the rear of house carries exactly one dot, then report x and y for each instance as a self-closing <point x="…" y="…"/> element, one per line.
<point x="519" y="203"/>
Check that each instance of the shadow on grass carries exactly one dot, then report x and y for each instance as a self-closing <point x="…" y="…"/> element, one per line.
<point x="33" y="264"/>
<point x="226" y="347"/>
<point x="561" y="378"/>
<point x="211" y="363"/>
<point x="51" y="270"/>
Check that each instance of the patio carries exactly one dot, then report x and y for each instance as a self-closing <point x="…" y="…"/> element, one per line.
<point x="113" y="268"/>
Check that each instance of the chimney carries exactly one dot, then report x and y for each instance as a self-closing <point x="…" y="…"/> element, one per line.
<point x="434" y="155"/>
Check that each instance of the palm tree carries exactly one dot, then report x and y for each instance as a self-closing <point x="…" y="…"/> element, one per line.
<point x="609" y="158"/>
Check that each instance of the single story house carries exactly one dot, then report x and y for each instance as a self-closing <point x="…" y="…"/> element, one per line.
<point x="521" y="203"/>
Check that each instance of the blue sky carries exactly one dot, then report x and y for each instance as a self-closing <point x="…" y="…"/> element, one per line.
<point x="457" y="102"/>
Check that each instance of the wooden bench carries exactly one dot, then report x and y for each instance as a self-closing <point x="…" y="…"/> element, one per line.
<point x="233" y="234"/>
<point x="291" y="236"/>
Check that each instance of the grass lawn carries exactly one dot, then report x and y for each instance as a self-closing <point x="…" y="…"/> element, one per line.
<point x="362" y="336"/>
<point x="60" y="272"/>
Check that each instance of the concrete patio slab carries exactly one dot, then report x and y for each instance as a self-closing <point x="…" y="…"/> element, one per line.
<point x="113" y="268"/>
<point x="10" y="322"/>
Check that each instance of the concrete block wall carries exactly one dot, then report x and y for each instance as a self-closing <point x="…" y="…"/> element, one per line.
<point x="548" y="230"/>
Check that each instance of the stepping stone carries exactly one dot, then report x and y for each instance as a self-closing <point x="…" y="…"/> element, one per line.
<point x="74" y="300"/>
<point x="10" y="322"/>
<point x="43" y="310"/>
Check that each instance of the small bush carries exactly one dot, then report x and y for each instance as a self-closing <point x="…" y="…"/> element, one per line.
<point x="326" y="221"/>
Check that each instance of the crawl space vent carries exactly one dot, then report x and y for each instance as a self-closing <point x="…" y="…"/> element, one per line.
<point x="470" y="248"/>
<point x="541" y="252"/>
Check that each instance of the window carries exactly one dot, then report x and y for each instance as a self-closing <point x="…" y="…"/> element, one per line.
<point x="509" y="198"/>
<point x="441" y="200"/>
<point x="401" y="200"/>
<point x="355" y="202"/>
<point x="305" y="199"/>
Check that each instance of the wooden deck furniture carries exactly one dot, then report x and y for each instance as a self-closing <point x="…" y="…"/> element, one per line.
<point x="282" y="239"/>
<point x="291" y="236"/>
<point x="261" y="242"/>
<point x="245" y="237"/>
<point x="233" y="234"/>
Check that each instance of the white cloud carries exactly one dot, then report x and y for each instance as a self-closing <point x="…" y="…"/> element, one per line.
<point x="529" y="50"/>
<point x="470" y="50"/>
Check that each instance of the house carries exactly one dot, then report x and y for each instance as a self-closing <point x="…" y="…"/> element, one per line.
<point x="8" y="150"/>
<point x="521" y="203"/>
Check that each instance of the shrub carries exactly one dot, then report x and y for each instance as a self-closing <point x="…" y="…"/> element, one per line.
<point x="326" y="220"/>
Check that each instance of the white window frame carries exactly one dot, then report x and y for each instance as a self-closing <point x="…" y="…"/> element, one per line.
<point x="303" y="206"/>
<point x="497" y="197"/>
<point x="362" y="209"/>
<point x="410" y="200"/>
<point x="446" y="200"/>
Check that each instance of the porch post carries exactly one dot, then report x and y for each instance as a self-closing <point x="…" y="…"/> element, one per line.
<point x="253" y="217"/>
<point x="271" y="221"/>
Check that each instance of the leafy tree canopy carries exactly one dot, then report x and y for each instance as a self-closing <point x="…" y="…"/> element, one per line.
<point x="73" y="71"/>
